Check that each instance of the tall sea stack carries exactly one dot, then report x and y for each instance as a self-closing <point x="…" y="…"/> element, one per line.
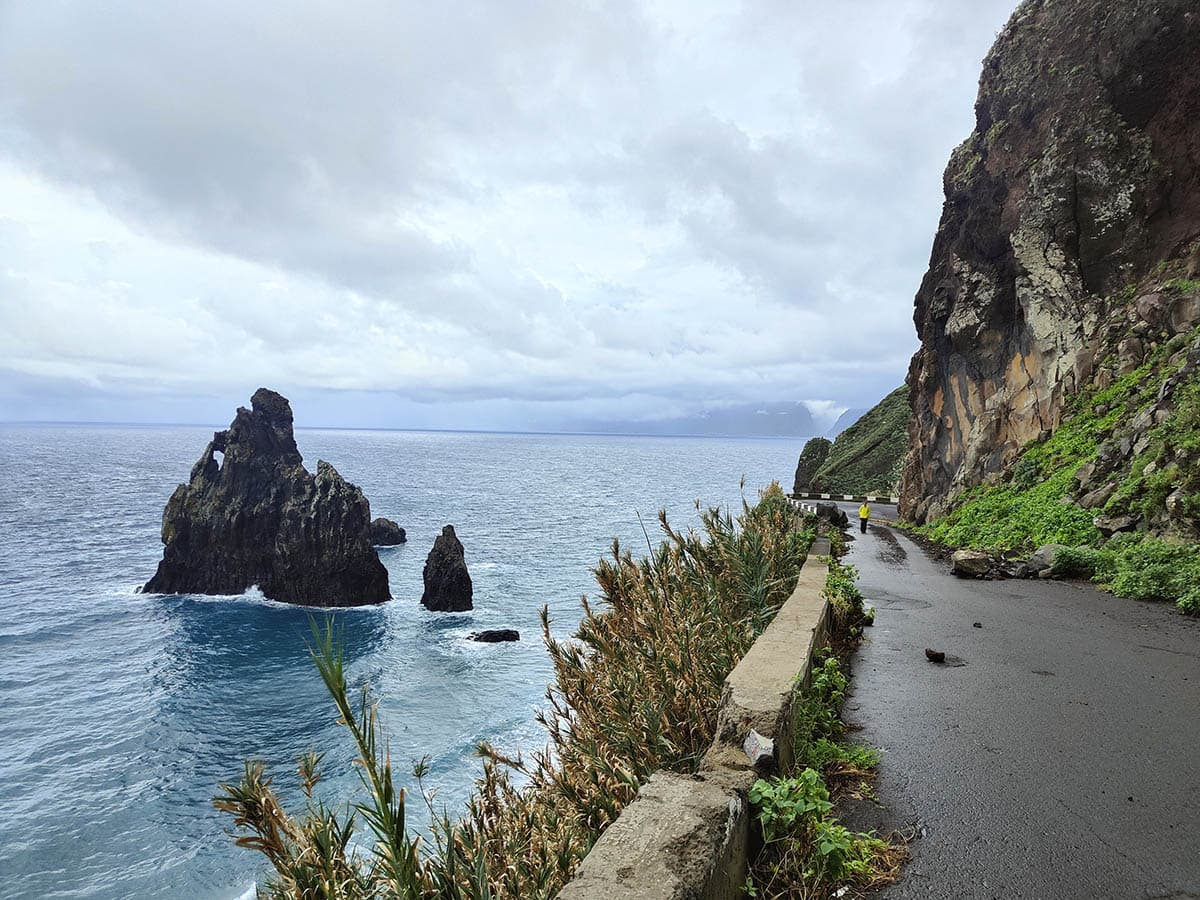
<point x="1081" y="177"/>
<point x="251" y="514"/>
<point x="447" y="582"/>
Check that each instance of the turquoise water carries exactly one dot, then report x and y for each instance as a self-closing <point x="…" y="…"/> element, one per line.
<point x="122" y="712"/>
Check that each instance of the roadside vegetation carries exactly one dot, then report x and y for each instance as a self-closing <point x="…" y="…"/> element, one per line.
<point x="807" y="852"/>
<point x="636" y="691"/>
<point x="1150" y="486"/>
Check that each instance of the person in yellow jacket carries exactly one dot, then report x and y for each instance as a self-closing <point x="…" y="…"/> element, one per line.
<point x="864" y="513"/>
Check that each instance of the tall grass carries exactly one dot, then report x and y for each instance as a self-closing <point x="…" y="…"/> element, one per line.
<point x="636" y="691"/>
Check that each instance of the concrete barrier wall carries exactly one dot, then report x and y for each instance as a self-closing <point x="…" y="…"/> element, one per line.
<point x="688" y="836"/>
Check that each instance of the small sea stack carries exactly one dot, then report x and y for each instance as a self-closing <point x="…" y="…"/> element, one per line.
<point x="251" y="514"/>
<point x="447" y="581"/>
<point x="386" y="533"/>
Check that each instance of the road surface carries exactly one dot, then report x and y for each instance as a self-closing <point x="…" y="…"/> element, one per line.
<point x="1058" y="754"/>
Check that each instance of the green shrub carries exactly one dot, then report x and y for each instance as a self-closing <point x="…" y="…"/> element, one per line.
<point x="784" y="804"/>
<point x="1138" y="568"/>
<point x="1075" y="562"/>
<point x="806" y="848"/>
<point x="1154" y="569"/>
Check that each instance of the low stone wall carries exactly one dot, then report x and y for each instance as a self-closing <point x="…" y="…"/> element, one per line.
<point x="688" y="836"/>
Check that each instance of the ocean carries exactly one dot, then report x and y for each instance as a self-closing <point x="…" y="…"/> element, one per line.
<point x="122" y="712"/>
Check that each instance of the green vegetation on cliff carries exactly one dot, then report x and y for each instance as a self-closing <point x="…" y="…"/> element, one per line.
<point x="867" y="456"/>
<point x="812" y="457"/>
<point x="1118" y="482"/>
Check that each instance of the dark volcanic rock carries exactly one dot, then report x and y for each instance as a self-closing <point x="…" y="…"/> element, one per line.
<point x="495" y="636"/>
<point x="970" y="563"/>
<point x="447" y="582"/>
<point x="1081" y="176"/>
<point x="833" y="514"/>
<point x="386" y="533"/>
<point x="812" y="457"/>
<point x="251" y="514"/>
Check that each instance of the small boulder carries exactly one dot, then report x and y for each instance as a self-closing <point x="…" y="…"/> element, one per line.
<point x="759" y="750"/>
<point x="935" y="656"/>
<point x="1110" y="525"/>
<point x="1131" y="352"/>
<point x="1097" y="498"/>
<point x="495" y="635"/>
<point x="386" y="533"/>
<point x="970" y="563"/>
<point x="1151" y="309"/>
<point x="1042" y="560"/>
<point x="1176" y="502"/>
<point x="447" y="581"/>
<point x="1184" y="313"/>
<point x="833" y="514"/>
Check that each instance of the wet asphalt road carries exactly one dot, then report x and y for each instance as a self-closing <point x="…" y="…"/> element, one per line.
<point x="1058" y="756"/>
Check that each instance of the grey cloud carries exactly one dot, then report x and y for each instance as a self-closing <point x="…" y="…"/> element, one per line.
<point x="544" y="203"/>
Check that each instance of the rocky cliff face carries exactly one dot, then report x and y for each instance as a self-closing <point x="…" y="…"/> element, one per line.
<point x="1082" y="177"/>
<point x="252" y="514"/>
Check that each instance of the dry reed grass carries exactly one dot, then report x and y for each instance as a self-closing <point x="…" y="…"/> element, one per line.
<point x="635" y="692"/>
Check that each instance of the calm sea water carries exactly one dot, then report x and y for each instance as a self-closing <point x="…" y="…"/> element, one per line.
<point x="122" y="712"/>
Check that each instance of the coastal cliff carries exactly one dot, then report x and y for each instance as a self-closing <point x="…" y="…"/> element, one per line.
<point x="256" y="516"/>
<point x="1067" y="243"/>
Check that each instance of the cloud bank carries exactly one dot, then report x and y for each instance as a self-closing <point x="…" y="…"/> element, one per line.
<point x="529" y="214"/>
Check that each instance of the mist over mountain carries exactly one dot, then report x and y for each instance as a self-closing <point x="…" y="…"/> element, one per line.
<point x="845" y="420"/>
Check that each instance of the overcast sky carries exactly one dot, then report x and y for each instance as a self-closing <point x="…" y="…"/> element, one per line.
<point x="496" y="214"/>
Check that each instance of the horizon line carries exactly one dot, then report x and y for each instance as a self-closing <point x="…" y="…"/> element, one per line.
<point x="117" y="423"/>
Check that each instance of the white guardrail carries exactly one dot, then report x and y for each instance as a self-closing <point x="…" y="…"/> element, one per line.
<point x="856" y="498"/>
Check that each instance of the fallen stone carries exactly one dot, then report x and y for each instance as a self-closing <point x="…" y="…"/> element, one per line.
<point x="1185" y="313"/>
<point x="386" y="533"/>
<point x="251" y="514"/>
<point x="447" y="582"/>
<point x="1008" y="568"/>
<point x="1176" y="502"/>
<point x="970" y="563"/>
<point x="1042" y="559"/>
<point x="1151" y="308"/>
<point x="495" y="635"/>
<point x="1098" y="497"/>
<point x="759" y="750"/>
<point x="976" y="624"/>
<point x="935" y="656"/>
<point x="1110" y="525"/>
<point x="833" y="514"/>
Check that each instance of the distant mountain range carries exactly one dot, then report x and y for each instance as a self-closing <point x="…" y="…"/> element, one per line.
<point x="789" y="419"/>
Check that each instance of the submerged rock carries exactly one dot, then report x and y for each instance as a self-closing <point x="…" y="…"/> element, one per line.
<point x="386" y="533"/>
<point x="251" y="514"/>
<point x="447" y="582"/>
<point x="495" y="635"/>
